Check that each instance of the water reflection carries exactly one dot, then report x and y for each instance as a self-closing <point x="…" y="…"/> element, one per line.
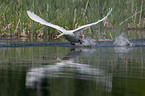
<point x="69" y="67"/>
<point x="67" y="71"/>
<point x="2" y="48"/>
<point x="122" y="50"/>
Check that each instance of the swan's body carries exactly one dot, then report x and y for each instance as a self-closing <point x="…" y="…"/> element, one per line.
<point x="70" y="35"/>
<point x="73" y="39"/>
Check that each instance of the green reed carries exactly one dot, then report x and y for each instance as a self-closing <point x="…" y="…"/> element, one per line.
<point x="70" y="14"/>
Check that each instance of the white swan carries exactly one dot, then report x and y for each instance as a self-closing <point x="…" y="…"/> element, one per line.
<point x="70" y="35"/>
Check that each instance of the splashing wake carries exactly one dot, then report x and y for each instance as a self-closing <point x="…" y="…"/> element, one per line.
<point x="87" y="42"/>
<point x="122" y="41"/>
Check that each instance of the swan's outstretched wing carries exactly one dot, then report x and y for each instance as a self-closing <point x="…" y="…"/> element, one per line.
<point x="42" y="21"/>
<point x="88" y="25"/>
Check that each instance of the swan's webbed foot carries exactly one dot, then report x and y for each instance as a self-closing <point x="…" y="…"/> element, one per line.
<point x="80" y="42"/>
<point x="72" y="43"/>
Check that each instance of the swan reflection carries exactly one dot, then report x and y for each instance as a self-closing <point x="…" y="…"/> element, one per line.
<point x="68" y="67"/>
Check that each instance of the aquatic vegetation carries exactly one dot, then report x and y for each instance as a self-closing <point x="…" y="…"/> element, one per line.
<point x="69" y="14"/>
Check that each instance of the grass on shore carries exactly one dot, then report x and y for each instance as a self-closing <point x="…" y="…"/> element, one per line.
<point x="70" y="14"/>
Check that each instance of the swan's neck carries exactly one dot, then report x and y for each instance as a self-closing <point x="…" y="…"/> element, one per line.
<point x="66" y="33"/>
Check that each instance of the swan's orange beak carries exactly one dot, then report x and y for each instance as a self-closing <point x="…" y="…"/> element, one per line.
<point x="55" y="37"/>
<point x="55" y="57"/>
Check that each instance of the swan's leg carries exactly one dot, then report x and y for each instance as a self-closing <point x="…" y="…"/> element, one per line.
<point x="72" y="43"/>
<point x="80" y="42"/>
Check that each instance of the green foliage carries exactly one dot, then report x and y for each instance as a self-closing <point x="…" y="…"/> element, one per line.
<point x="69" y="14"/>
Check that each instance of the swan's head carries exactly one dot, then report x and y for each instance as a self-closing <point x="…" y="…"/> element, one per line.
<point x="57" y="36"/>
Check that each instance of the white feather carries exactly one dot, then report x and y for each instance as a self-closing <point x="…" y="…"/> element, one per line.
<point x="84" y="27"/>
<point x="42" y="21"/>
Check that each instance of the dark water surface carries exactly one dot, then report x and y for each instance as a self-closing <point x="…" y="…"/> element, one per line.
<point x="70" y="71"/>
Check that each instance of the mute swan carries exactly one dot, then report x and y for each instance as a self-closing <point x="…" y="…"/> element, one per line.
<point x="70" y="35"/>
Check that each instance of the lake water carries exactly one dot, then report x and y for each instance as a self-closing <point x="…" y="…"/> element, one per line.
<point x="72" y="71"/>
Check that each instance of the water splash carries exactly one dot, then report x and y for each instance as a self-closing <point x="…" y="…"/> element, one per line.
<point x="87" y="42"/>
<point x="122" y="41"/>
